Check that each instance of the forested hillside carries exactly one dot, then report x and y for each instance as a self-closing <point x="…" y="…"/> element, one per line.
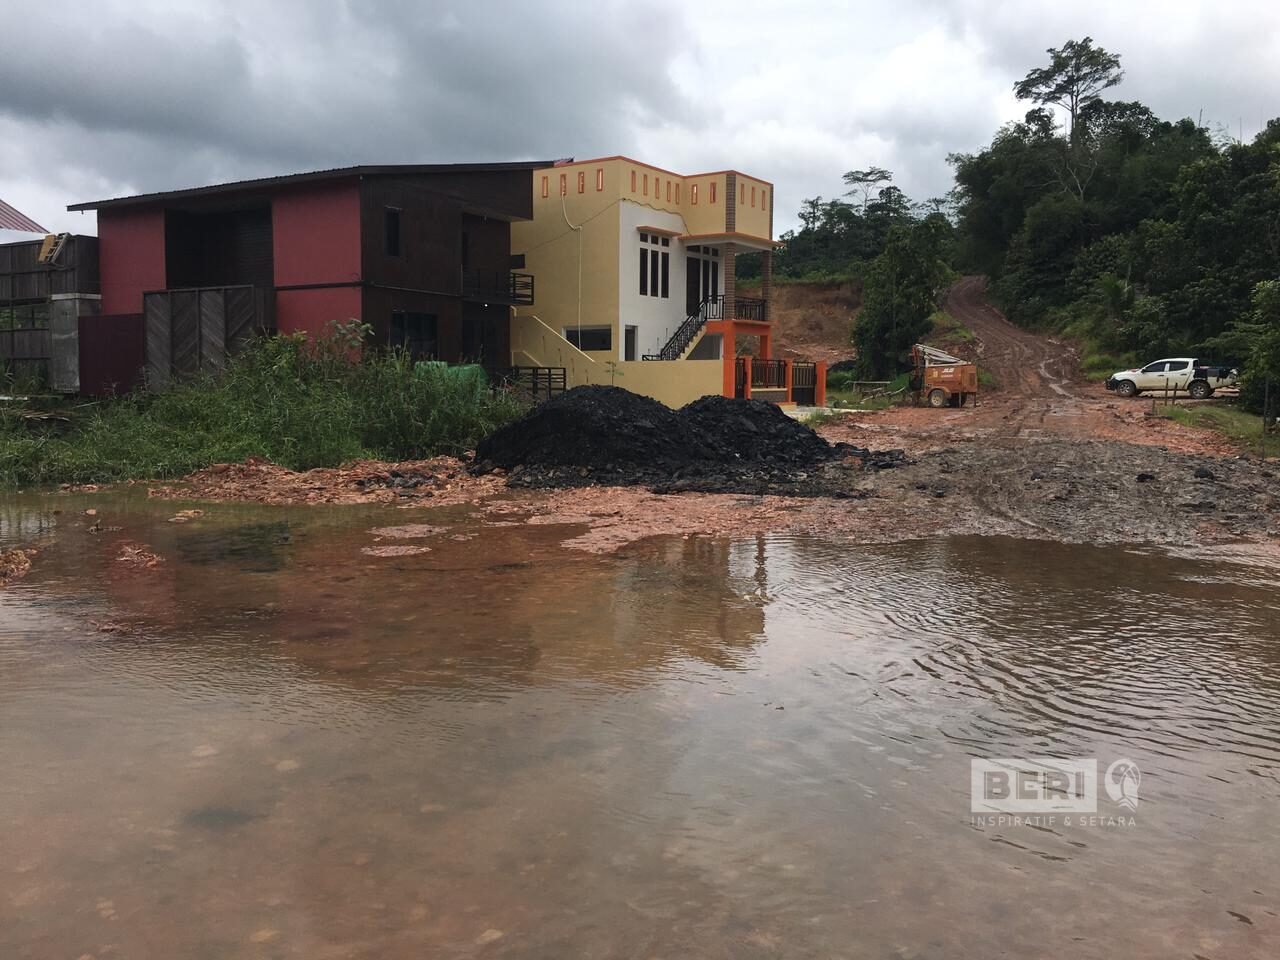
<point x="1136" y="235"/>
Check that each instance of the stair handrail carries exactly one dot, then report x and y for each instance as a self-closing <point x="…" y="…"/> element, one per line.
<point x="684" y="334"/>
<point x="563" y="343"/>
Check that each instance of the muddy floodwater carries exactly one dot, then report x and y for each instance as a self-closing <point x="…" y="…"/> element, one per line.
<point x="380" y="733"/>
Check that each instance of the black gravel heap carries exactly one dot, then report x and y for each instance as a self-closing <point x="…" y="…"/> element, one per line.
<point x="593" y="427"/>
<point x="753" y="430"/>
<point x="608" y="435"/>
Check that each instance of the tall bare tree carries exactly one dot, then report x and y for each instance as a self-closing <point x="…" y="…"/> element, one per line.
<point x="864" y="181"/>
<point x="1077" y="74"/>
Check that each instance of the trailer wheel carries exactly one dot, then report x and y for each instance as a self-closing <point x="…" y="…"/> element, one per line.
<point x="1200" y="390"/>
<point x="937" y="397"/>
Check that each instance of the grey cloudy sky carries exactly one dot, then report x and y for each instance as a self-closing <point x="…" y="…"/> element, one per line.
<point x="126" y="96"/>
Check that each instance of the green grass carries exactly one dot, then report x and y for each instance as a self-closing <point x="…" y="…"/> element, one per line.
<point x="1241" y="428"/>
<point x="842" y="395"/>
<point x="948" y="330"/>
<point x="1097" y="365"/>
<point x="295" y="403"/>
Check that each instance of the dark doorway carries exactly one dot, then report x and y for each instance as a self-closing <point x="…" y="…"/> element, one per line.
<point x="629" y="343"/>
<point x="416" y="333"/>
<point x="692" y="285"/>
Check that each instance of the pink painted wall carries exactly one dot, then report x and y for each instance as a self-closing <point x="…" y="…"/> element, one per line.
<point x="131" y="257"/>
<point x="316" y="240"/>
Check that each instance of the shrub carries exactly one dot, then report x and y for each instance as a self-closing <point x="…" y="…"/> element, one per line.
<point x="295" y="402"/>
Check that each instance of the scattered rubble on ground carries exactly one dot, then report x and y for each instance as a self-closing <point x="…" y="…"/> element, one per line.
<point x="440" y="481"/>
<point x="15" y="564"/>
<point x="139" y="556"/>
<point x="394" y="550"/>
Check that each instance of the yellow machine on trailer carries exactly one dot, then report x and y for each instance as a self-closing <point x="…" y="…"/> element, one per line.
<point x="943" y="380"/>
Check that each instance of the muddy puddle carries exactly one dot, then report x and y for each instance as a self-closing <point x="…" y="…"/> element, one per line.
<point x="281" y="740"/>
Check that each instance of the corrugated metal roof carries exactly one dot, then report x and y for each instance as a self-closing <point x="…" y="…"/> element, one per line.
<point x="11" y="219"/>
<point x="336" y="173"/>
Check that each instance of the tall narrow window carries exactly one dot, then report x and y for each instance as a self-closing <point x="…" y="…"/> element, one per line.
<point x="677" y="194"/>
<point x="633" y="181"/>
<point x="753" y="196"/>
<point x="666" y="272"/>
<point x="391" y="227"/>
<point x="644" y="272"/>
<point x="599" y="179"/>
<point x="693" y="193"/>
<point x="653" y="273"/>
<point x="546" y="186"/>
<point x="668" y="191"/>
<point x="582" y="181"/>
<point x="711" y="198"/>
<point x="646" y="184"/>
<point x="564" y="184"/>
<point x="742" y="194"/>
<point x="764" y="199"/>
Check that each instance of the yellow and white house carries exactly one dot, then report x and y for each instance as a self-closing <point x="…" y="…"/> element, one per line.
<point x="636" y="284"/>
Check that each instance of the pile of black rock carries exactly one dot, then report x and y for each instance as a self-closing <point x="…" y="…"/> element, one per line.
<point x="608" y="435"/>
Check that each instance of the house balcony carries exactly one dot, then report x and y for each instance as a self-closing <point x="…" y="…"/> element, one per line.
<point x="749" y="308"/>
<point x="498" y="286"/>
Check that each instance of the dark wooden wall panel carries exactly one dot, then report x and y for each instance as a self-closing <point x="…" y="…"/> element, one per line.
<point x="184" y="317"/>
<point x="159" y="339"/>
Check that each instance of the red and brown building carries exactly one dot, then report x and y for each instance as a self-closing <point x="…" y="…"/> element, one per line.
<point x="421" y="253"/>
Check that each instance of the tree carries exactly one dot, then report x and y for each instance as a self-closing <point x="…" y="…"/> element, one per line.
<point x="1077" y="74"/>
<point x="810" y="212"/>
<point x="865" y="181"/>
<point x="900" y="294"/>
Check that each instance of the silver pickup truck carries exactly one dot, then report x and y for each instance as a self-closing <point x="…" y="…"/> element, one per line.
<point x="1196" y="378"/>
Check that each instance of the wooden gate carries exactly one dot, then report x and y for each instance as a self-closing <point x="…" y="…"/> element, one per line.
<point x="194" y="331"/>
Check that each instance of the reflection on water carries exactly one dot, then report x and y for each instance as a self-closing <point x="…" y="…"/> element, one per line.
<point x="274" y="744"/>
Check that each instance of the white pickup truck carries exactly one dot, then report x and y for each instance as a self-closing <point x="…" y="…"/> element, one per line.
<point x="1196" y="378"/>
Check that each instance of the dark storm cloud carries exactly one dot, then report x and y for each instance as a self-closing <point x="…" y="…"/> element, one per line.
<point x="129" y="95"/>
<point x="134" y="99"/>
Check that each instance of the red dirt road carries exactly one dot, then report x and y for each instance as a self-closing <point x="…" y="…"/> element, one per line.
<point x="1038" y="395"/>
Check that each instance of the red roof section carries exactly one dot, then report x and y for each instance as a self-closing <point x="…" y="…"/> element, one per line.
<point x="11" y="219"/>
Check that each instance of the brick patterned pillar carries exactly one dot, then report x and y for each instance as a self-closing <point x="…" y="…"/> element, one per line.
<point x="730" y="270"/>
<point x="730" y="203"/>
<point x="766" y="282"/>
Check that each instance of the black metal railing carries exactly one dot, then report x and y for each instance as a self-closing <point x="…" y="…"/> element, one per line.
<point x="748" y="308"/>
<point x="768" y="374"/>
<point x="712" y="308"/>
<point x="498" y="286"/>
<point x="540" y="383"/>
<point x="804" y="382"/>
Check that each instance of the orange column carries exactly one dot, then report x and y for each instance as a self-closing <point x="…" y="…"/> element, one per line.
<point x="820" y="384"/>
<point x="730" y="363"/>
<point x="765" y="347"/>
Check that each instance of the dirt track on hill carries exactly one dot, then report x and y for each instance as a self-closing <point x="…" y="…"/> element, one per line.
<point x="1022" y="362"/>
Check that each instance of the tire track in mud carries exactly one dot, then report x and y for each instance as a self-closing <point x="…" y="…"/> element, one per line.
<point x="1022" y="362"/>
<point x="1032" y="372"/>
